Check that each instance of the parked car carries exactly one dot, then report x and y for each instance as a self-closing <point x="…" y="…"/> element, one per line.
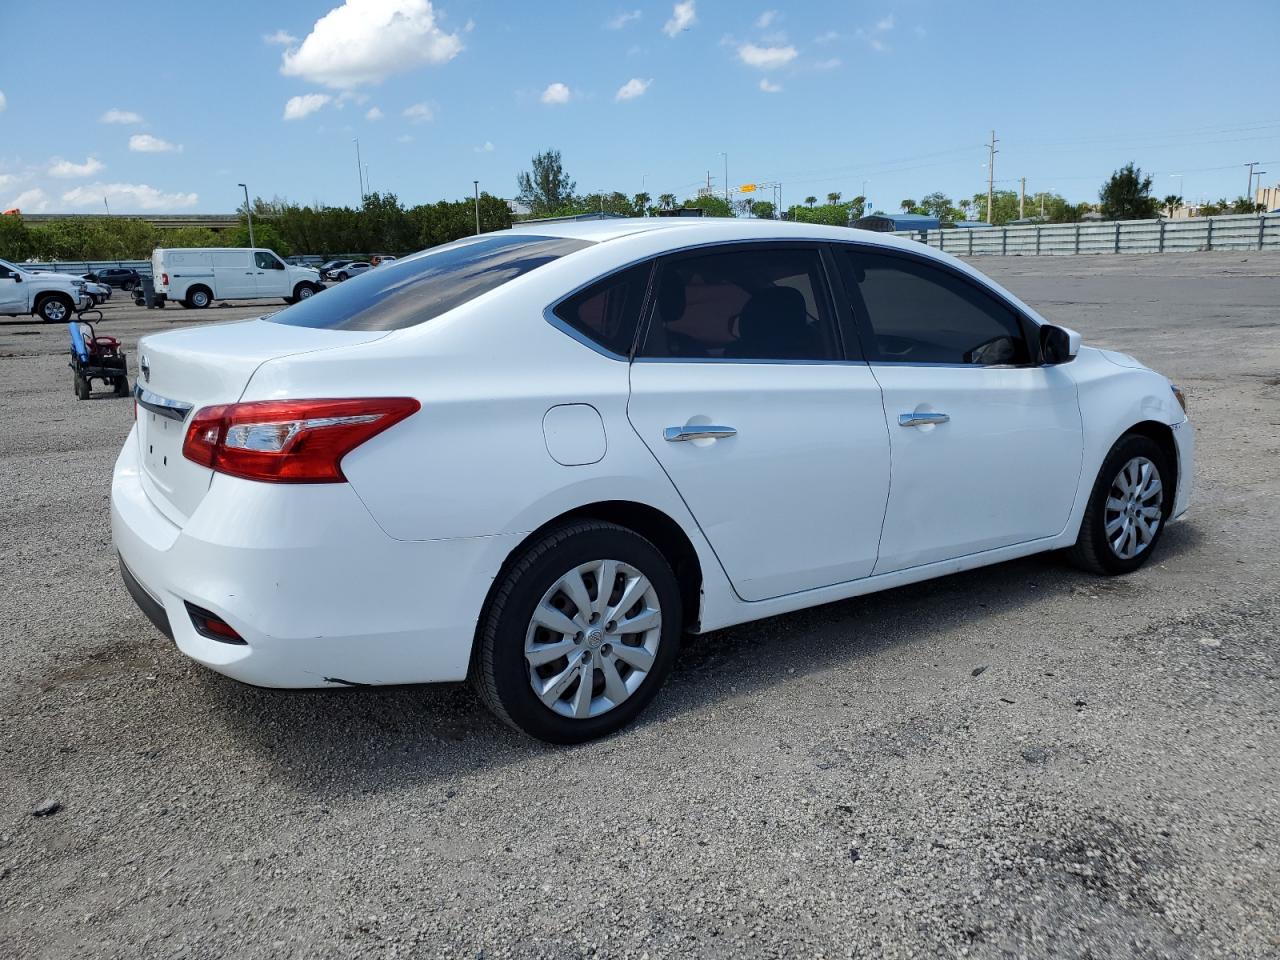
<point x="197" y="276"/>
<point x="538" y="456"/>
<point x="53" y="297"/>
<point x="353" y="269"/>
<point x="99" y="293"/>
<point x="327" y="270"/>
<point x="125" y="278"/>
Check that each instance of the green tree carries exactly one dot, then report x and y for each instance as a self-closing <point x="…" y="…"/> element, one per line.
<point x="640" y="203"/>
<point x="907" y="205"/>
<point x="711" y="206"/>
<point x="16" y="242"/>
<point x="547" y="187"/>
<point x="833" y="198"/>
<point x="810" y="201"/>
<point x="1127" y="195"/>
<point x="265" y="236"/>
<point x="1171" y="203"/>
<point x="667" y="200"/>
<point x="200" y="237"/>
<point x="763" y="210"/>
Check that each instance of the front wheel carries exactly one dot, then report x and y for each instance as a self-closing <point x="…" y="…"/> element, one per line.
<point x="55" y="309"/>
<point x="579" y="633"/>
<point x="1128" y="508"/>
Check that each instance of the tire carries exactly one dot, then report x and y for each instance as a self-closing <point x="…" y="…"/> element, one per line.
<point x="1130" y="462"/>
<point x="127" y="286"/>
<point x="343" y="276"/>
<point x="198" y="298"/>
<point x="303" y="291"/>
<point x="122" y="386"/>
<point x="532" y="580"/>
<point x="55" y="309"/>
<point x="81" y="385"/>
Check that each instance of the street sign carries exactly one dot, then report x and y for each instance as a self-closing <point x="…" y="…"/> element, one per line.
<point x="747" y="188"/>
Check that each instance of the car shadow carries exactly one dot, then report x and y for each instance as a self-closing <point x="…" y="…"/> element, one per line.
<point x="330" y="742"/>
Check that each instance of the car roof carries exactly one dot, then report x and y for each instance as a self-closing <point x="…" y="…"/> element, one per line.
<point x="682" y="230"/>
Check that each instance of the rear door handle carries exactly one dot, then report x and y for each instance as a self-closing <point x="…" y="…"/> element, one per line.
<point x="921" y="419"/>
<point x="698" y="432"/>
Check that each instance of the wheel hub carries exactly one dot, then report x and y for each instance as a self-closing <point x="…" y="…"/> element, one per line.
<point x="1134" y="508"/>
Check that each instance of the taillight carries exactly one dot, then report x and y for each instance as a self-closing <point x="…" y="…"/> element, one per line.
<point x="164" y="278"/>
<point x="289" y="441"/>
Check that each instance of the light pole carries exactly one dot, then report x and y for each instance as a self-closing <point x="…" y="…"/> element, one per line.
<point x="248" y="210"/>
<point x="359" y="168"/>
<point x="476" y="184"/>
<point x="1178" y="177"/>
<point x="726" y="175"/>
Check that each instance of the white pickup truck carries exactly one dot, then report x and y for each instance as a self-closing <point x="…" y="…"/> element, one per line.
<point x="53" y="297"/>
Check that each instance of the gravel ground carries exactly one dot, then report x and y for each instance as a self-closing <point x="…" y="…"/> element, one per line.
<point x="1021" y="761"/>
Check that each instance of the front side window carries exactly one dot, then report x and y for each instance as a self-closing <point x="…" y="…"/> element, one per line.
<point x="267" y="261"/>
<point x="918" y="313"/>
<point x="608" y="311"/>
<point x="420" y="288"/>
<point x="749" y="303"/>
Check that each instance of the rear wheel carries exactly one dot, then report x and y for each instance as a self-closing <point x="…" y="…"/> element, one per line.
<point x="579" y="633"/>
<point x="122" y="386"/>
<point x="1130" y="503"/>
<point x="81" y="385"/>
<point x="127" y="286"/>
<point x="198" y="298"/>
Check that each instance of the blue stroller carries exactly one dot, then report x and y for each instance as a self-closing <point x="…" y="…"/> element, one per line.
<point x="96" y="358"/>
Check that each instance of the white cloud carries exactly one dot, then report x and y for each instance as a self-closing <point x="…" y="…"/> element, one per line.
<point x="126" y="196"/>
<point x="373" y="113"/>
<point x="766" y="19"/>
<point x="116" y="115"/>
<point x="766" y="58"/>
<point x="683" y="16"/>
<point x="419" y="113"/>
<point x="828" y="64"/>
<point x="405" y="138"/>
<point x="875" y="36"/>
<point x="146" y="143"/>
<point x="885" y="24"/>
<point x="282" y="37"/>
<point x="65" y="169"/>
<point x="768" y="87"/>
<point x="7" y="179"/>
<point x="829" y="37"/>
<point x="3" y="102"/>
<point x="29" y="201"/>
<point x="366" y="41"/>
<point x="556" y="93"/>
<point x="298" y="107"/>
<point x="620" y="20"/>
<point x="635" y="87"/>
<point x="486" y="147"/>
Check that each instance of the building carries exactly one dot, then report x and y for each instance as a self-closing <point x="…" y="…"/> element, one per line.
<point x="1269" y="197"/>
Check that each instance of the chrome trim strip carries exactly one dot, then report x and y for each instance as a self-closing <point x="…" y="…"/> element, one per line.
<point x="921" y="419"/>
<point x="161" y="406"/>
<point x="697" y="432"/>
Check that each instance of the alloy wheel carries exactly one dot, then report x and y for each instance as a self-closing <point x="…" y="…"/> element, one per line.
<point x="1134" y="508"/>
<point x="593" y="637"/>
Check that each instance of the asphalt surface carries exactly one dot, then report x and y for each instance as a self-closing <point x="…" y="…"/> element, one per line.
<point x="1021" y="761"/>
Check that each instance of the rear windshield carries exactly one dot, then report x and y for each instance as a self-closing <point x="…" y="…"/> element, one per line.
<point x="407" y="292"/>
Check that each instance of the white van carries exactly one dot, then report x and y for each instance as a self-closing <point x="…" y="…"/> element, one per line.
<point x="196" y="276"/>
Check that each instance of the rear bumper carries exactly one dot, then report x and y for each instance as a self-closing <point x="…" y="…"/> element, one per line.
<point x="321" y="596"/>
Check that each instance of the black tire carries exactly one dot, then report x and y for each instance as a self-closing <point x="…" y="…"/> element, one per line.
<point x="499" y="671"/>
<point x="122" y="386"/>
<point x="198" y="298"/>
<point x="303" y="291"/>
<point x="55" y="308"/>
<point x="81" y="385"/>
<point x="127" y="286"/>
<point x="343" y="276"/>
<point x="1093" y="550"/>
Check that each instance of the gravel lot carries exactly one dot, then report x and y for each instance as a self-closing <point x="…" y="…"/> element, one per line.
<point x="1022" y="761"/>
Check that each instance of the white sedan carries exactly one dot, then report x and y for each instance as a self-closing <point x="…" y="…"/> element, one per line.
<point x="537" y="457"/>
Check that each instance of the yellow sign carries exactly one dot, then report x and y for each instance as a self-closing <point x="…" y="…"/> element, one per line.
<point x="747" y="188"/>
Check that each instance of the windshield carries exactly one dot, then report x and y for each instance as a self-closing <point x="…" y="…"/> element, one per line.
<point x="422" y="287"/>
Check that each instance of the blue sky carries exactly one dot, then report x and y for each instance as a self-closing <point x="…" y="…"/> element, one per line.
<point x="166" y="106"/>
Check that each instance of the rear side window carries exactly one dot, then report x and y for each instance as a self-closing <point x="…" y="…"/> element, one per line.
<point x="608" y="312"/>
<point x="919" y="313"/>
<point x="420" y="288"/>
<point x="748" y="303"/>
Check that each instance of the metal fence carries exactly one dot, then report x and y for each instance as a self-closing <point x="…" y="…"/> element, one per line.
<point x="1248" y="232"/>
<point x="81" y="267"/>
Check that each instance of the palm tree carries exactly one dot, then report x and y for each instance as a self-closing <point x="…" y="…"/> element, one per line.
<point x="906" y="205"/>
<point x="667" y="200"/>
<point x="810" y="201"/>
<point x="641" y="202"/>
<point x="1171" y="204"/>
<point x="833" y="198"/>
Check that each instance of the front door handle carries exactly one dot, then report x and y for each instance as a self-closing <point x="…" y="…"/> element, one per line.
<point x="697" y="432"/>
<point x="921" y="419"/>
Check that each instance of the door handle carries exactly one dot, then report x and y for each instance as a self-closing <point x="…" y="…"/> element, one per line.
<point x="921" y="419"/>
<point x="697" y="432"/>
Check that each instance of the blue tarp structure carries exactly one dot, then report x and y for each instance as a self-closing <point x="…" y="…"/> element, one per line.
<point x="889" y="222"/>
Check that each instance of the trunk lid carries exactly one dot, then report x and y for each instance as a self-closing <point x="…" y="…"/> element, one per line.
<point x="183" y="370"/>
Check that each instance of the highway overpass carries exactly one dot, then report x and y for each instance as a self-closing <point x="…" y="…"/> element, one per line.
<point x="214" y="221"/>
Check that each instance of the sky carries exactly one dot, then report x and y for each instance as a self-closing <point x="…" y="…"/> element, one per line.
<point x="164" y="107"/>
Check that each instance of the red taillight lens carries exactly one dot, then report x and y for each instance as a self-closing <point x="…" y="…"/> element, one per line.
<point x="289" y="441"/>
<point x="164" y="278"/>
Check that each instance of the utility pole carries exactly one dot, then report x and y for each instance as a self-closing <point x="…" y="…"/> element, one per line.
<point x="359" y="170"/>
<point x="476" y="184"/>
<point x="726" y="176"/>
<point x="1248" y="194"/>
<point x="1022" y="200"/>
<point x="991" y="174"/>
<point x="107" y="205"/>
<point x="248" y="210"/>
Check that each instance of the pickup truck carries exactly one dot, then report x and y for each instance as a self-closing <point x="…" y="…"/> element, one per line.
<point x="53" y="297"/>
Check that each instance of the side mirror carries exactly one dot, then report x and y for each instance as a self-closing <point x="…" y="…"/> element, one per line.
<point x="1058" y="344"/>
<point x="17" y="278"/>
